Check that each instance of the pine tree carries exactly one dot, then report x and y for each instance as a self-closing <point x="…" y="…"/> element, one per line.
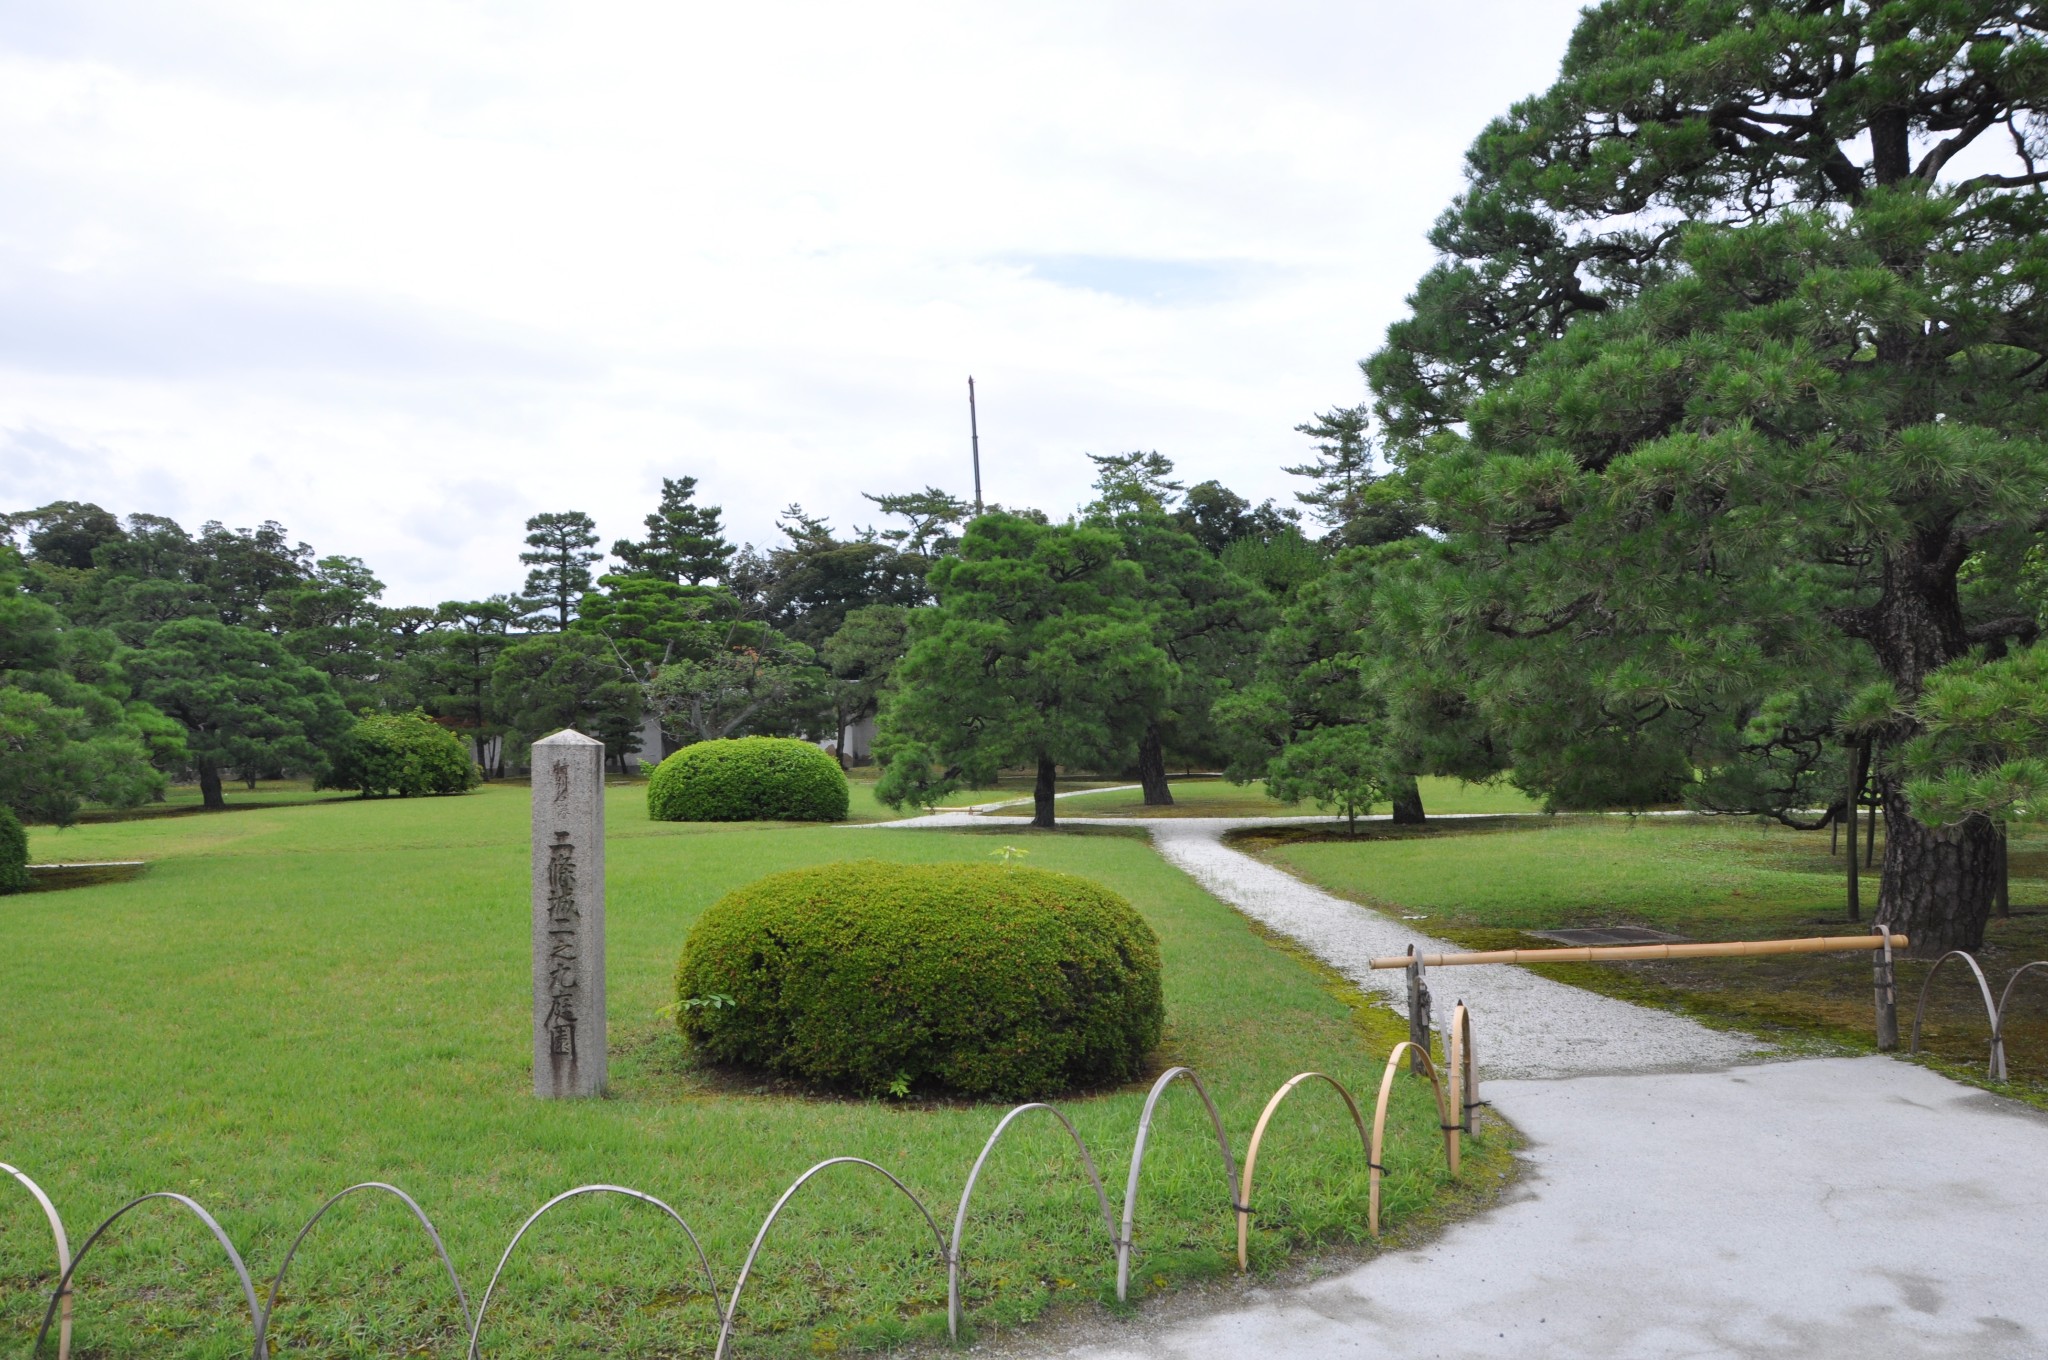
<point x="685" y="542"/>
<point x="560" y="558"/>
<point x="1730" y="371"/>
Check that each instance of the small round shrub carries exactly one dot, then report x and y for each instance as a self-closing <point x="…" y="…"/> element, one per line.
<point x="966" y="979"/>
<point x="13" y="853"/>
<point x="748" y="779"/>
<point x="402" y="755"/>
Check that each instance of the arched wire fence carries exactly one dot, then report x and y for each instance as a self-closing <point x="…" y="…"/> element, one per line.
<point x="1994" y="1011"/>
<point x="1237" y="1195"/>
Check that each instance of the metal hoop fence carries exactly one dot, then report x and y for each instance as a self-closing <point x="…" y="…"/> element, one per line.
<point x="1994" y="1011"/>
<point x="950" y="1254"/>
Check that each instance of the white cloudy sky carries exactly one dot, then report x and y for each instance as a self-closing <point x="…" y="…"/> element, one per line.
<point x="401" y="274"/>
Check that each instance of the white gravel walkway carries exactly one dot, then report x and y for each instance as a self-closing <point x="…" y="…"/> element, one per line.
<point x="1826" y="1209"/>
<point x="1524" y="1025"/>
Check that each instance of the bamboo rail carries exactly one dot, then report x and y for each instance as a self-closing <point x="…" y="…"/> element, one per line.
<point x="1623" y="953"/>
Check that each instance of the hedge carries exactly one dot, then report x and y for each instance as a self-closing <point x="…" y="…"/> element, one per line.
<point x="964" y="979"/>
<point x="748" y="779"/>
<point x="402" y="755"/>
<point x="13" y="853"/>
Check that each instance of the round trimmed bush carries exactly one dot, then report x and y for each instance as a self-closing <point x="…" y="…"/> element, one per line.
<point x="13" y="854"/>
<point x="748" y="779"/>
<point x="968" y="979"/>
<point x="402" y="755"/>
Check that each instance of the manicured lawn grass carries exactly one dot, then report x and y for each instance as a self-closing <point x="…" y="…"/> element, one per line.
<point x="1211" y="797"/>
<point x="1706" y="879"/>
<point x="294" y="999"/>
<point x="180" y="799"/>
<point x="866" y="806"/>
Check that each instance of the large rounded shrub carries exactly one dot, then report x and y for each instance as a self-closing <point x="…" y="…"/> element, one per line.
<point x="402" y="755"/>
<point x="748" y="779"/>
<point x="970" y="979"/>
<point x="13" y="853"/>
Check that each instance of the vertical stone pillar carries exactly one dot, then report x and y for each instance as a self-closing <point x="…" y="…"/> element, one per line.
<point x="568" y="915"/>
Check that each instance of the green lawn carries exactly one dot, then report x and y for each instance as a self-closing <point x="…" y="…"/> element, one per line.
<point x="1212" y="797"/>
<point x="296" y="998"/>
<point x="1703" y="878"/>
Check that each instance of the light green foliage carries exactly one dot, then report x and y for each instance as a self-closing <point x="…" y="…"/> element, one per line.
<point x="402" y="755"/>
<point x="1281" y="564"/>
<point x="1983" y="747"/>
<point x="376" y="936"/>
<point x="13" y="854"/>
<point x="244" y="701"/>
<point x="986" y="981"/>
<point x="1342" y="768"/>
<point x="1038" y="653"/>
<point x="748" y="779"/>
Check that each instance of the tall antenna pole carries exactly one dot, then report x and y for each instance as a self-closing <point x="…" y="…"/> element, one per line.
<point x="974" y="425"/>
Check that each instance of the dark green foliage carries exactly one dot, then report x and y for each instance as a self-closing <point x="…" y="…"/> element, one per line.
<point x="748" y="779"/>
<point x="685" y="543"/>
<point x="71" y="731"/>
<point x="243" y="700"/>
<point x="13" y="854"/>
<point x="559" y="680"/>
<point x="402" y="755"/>
<point x="1730" y="367"/>
<point x="1206" y="619"/>
<point x="1039" y="653"/>
<point x="964" y="979"/>
<point x="560" y="543"/>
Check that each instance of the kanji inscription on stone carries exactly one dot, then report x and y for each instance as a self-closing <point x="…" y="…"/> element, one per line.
<point x="568" y="916"/>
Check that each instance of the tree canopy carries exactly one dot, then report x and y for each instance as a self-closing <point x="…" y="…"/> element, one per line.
<point x="1729" y="369"/>
<point x="1038" y="653"/>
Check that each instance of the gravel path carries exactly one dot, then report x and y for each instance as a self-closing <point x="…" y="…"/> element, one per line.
<point x="1524" y="1025"/>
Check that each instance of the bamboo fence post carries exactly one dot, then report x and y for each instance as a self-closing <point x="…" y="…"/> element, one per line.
<point x="1379" y="1127"/>
<point x="1887" y="993"/>
<point x="1251" y="1155"/>
<point x="1418" y="1013"/>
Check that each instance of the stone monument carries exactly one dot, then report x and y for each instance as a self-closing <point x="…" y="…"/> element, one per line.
<point x="568" y="915"/>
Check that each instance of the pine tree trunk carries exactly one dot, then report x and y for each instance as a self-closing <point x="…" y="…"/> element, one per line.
<point x="1407" y="801"/>
<point x="2002" y="893"/>
<point x="209" y="785"/>
<point x="1938" y="882"/>
<point x="1152" y="769"/>
<point x="1858" y="769"/>
<point x="1041" y="793"/>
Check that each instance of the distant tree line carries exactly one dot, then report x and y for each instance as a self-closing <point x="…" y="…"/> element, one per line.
<point x="135" y="651"/>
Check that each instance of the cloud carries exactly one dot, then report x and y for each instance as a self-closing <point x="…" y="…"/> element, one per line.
<point x="1165" y="282"/>
<point x="167" y="328"/>
<point x="401" y="273"/>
